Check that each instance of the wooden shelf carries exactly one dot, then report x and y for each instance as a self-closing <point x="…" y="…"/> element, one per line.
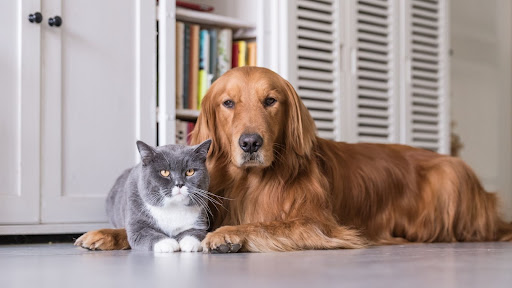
<point x="187" y="114"/>
<point x="207" y="18"/>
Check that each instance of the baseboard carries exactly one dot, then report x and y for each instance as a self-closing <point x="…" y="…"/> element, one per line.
<point x="41" y="229"/>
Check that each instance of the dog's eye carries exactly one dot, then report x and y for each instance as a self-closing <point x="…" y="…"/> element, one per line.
<point x="269" y="101"/>
<point x="229" y="104"/>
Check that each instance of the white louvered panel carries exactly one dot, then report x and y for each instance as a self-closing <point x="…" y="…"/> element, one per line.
<point x="319" y="55"/>
<point x="322" y="115"/>
<point x="314" y="35"/>
<point x="315" y="45"/>
<point x="315" y="94"/>
<point x="315" y="75"/>
<point x="425" y="94"/>
<point x="316" y="62"/>
<point x="374" y="57"/>
<point x="372" y="93"/>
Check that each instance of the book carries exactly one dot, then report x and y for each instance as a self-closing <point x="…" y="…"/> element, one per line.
<point x="234" y="55"/>
<point x="181" y="132"/>
<point x="251" y="54"/>
<point x="212" y="67"/>
<point x="186" y="65"/>
<point x="224" y="40"/>
<point x="190" y="128"/>
<point x="242" y="53"/>
<point x="193" y="66"/>
<point x="204" y="63"/>
<point x="194" y="6"/>
<point x="204" y="49"/>
<point x="180" y="31"/>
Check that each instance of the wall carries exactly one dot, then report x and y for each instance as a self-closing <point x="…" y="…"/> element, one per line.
<point x="481" y="102"/>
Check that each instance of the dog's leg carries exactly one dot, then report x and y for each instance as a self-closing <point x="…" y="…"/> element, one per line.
<point x="104" y="239"/>
<point x="290" y="235"/>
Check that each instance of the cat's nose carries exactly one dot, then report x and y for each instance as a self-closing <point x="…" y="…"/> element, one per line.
<point x="179" y="185"/>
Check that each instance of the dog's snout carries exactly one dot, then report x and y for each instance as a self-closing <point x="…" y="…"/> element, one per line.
<point x="250" y="143"/>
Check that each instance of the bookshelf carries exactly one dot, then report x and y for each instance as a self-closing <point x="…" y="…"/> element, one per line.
<point x="212" y="19"/>
<point x="187" y="114"/>
<point x="236" y="16"/>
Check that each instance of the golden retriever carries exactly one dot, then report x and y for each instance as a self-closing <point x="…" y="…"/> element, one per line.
<point x="291" y="190"/>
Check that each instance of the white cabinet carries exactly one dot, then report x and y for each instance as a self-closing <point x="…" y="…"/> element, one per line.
<point x="19" y="113"/>
<point x="75" y="99"/>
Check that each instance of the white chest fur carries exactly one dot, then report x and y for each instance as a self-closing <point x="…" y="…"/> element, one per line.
<point x="175" y="218"/>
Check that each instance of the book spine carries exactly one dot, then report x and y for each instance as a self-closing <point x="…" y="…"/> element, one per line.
<point x="194" y="66"/>
<point x="186" y="66"/>
<point x="242" y="53"/>
<point x="181" y="132"/>
<point x="213" y="55"/>
<point x="224" y="40"/>
<point x="190" y="128"/>
<point x="235" y="56"/>
<point x="251" y="54"/>
<point x="204" y="63"/>
<point x="180" y="29"/>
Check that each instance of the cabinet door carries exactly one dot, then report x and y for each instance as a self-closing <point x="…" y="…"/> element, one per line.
<point x="98" y="98"/>
<point x="19" y="112"/>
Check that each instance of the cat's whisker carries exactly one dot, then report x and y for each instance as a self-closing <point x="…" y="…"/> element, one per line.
<point x="214" y="202"/>
<point x="208" y="198"/>
<point x="199" y="204"/>
<point x="211" y="194"/>
<point x="205" y="204"/>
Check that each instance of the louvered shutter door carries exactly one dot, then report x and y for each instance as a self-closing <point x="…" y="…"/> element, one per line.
<point x="374" y="62"/>
<point x="426" y="123"/>
<point x="317" y="62"/>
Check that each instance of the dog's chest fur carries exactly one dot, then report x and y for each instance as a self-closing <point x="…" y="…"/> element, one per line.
<point x="174" y="219"/>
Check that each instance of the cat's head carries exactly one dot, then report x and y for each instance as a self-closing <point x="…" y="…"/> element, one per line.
<point x="172" y="174"/>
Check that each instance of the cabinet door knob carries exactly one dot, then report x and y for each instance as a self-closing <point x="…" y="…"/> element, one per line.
<point x="35" y="18"/>
<point x="55" y="21"/>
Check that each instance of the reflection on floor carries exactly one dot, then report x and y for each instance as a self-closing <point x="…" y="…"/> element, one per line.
<point x="416" y="265"/>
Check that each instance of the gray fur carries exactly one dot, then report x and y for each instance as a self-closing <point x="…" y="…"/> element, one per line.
<point x="142" y="185"/>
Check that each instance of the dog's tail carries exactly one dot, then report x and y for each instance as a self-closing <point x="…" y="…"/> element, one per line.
<point x="504" y="232"/>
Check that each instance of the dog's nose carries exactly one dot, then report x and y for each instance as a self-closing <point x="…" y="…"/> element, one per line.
<point x="250" y="143"/>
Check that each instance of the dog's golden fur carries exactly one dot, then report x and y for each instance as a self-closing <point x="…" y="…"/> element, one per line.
<point x="299" y="191"/>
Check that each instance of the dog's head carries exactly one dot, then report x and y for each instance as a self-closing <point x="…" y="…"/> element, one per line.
<point x="250" y="113"/>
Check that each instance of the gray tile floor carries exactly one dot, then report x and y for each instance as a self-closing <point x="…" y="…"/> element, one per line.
<point x="416" y="265"/>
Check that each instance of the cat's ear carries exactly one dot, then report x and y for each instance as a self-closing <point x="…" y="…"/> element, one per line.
<point x="147" y="153"/>
<point x="202" y="149"/>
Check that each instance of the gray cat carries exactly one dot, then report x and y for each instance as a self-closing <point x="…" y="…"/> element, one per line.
<point x="162" y="202"/>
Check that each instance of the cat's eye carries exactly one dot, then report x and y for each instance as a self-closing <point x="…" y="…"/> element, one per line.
<point x="190" y="172"/>
<point x="165" y="173"/>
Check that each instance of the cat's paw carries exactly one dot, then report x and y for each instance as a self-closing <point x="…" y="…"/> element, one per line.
<point x="167" y="245"/>
<point x="190" y="244"/>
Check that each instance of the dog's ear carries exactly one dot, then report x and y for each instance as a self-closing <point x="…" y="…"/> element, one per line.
<point x="301" y="130"/>
<point x="205" y="125"/>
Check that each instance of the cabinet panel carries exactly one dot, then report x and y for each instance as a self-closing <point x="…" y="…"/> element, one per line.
<point x="19" y="113"/>
<point x="98" y="99"/>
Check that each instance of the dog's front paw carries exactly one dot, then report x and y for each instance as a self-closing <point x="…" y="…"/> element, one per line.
<point x="167" y="245"/>
<point x="104" y="239"/>
<point x="190" y="244"/>
<point x="223" y="240"/>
